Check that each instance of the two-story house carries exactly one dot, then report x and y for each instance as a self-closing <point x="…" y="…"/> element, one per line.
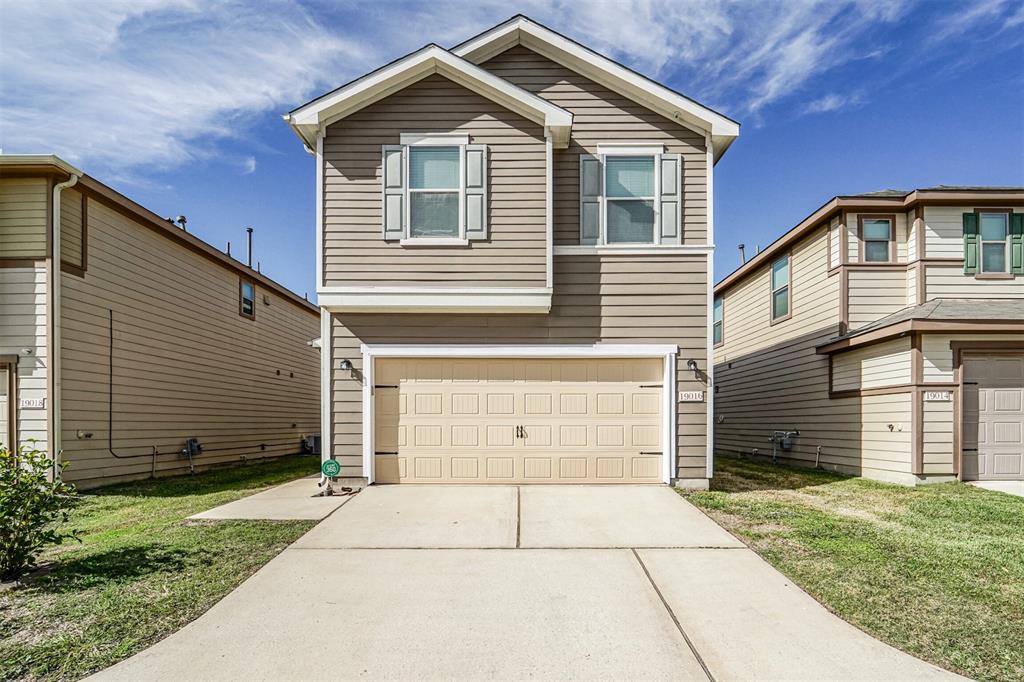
<point x="514" y="241"/>
<point x="882" y="336"/>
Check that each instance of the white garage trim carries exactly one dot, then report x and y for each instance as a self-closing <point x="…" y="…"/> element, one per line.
<point x="667" y="352"/>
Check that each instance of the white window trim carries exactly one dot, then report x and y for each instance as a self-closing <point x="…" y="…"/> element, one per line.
<point x="433" y="139"/>
<point x="458" y="141"/>
<point x="1007" y="256"/>
<point x="666" y="351"/>
<point x="630" y="149"/>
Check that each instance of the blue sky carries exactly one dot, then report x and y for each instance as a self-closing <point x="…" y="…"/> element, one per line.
<point x="178" y="103"/>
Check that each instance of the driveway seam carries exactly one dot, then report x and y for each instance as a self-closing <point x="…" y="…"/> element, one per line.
<point x="672" y="615"/>
<point x="519" y="515"/>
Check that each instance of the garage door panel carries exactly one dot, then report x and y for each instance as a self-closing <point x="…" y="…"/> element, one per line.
<point x="518" y="420"/>
<point x="993" y="417"/>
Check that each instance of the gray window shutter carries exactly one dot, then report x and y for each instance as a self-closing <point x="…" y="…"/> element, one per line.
<point x="476" y="191"/>
<point x="671" y="199"/>
<point x="591" y="182"/>
<point x="971" y="248"/>
<point x="394" y="196"/>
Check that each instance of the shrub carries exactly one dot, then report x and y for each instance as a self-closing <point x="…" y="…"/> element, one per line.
<point x="32" y="508"/>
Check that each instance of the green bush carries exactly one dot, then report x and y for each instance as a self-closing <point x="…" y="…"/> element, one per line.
<point x="32" y="508"/>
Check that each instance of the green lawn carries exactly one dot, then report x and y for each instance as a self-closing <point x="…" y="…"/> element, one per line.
<point x="937" y="571"/>
<point x="141" y="571"/>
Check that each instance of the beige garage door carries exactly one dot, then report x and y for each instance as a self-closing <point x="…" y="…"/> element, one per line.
<point x="993" y="429"/>
<point x="518" y="421"/>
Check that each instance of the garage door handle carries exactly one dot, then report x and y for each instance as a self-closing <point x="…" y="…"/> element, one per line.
<point x="651" y="385"/>
<point x="645" y="452"/>
<point x="969" y="449"/>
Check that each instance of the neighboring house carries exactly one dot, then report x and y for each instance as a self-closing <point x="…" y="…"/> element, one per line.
<point x="514" y="245"/>
<point x="160" y="337"/>
<point x="888" y="329"/>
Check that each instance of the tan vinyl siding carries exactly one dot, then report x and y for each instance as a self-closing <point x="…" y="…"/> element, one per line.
<point x="815" y="303"/>
<point x="944" y="281"/>
<point x="877" y="366"/>
<point x="355" y="253"/>
<point x="602" y="116"/>
<point x="937" y="440"/>
<point x="598" y="299"/>
<point x="186" y="364"/>
<point x="71" y="227"/>
<point x="23" y="326"/>
<point x="23" y="213"/>
<point x="786" y="387"/>
<point x="938" y="356"/>
<point x="875" y="293"/>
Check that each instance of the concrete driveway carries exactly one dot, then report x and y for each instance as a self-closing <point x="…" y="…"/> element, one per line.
<point x="474" y="582"/>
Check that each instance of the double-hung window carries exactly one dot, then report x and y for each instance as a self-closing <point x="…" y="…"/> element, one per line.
<point x="718" y="324"/>
<point x="247" y="299"/>
<point x="877" y="238"/>
<point x="434" y="182"/>
<point x="781" y="289"/>
<point x="630" y="194"/>
<point x="995" y="242"/>
<point x="434" y="190"/>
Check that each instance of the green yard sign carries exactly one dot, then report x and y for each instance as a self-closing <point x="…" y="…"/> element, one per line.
<point x="330" y="468"/>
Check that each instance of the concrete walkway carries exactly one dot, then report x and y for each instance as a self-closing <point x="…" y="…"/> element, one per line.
<point x="1008" y="487"/>
<point x="295" y="500"/>
<point x="466" y="583"/>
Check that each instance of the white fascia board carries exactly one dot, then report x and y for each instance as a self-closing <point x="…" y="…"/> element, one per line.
<point x="39" y="159"/>
<point x="549" y="350"/>
<point x="544" y="41"/>
<point x="421" y="300"/>
<point x="429" y="60"/>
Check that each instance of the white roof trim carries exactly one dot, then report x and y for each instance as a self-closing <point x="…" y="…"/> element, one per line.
<point x="569" y="53"/>
<point x="307" y="120"/>
<point x="38" y="159"/>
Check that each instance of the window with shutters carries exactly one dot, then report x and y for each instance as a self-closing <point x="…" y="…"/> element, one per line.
<point x="630" y="195"/>
<point x="993" y="243"/>
<point x="435" y="190"/>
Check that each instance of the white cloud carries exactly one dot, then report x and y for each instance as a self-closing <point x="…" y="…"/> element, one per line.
<point x="834" y="102"/>
<point x="126" y="83"/>
<point x="248" y="165"/>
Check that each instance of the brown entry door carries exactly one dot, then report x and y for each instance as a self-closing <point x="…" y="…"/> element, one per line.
<point x="993" y="417"/>
<point x="518" y="420"/>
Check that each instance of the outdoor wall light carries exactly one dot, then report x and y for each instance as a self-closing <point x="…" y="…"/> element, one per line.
<point x="345" y="365"/>
<point x="691" y="365"/>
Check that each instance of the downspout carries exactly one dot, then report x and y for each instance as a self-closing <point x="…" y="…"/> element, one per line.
<point x="53" y="351"/>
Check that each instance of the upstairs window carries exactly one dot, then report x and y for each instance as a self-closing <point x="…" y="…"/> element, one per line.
<point x="877" y="239"/>
<point x="434" y="174"/>
<point x="630" y="194"/>
<point x="435" y="190"/>
<point x="247" y="299"/>
<point x="781" y="289"/>
<point x="629" y="199"/>
<point x="993" y="243"/>
<point x="718" y="323"/>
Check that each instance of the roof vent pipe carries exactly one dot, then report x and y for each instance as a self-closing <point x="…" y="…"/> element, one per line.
<point x="182" y="222"/>
<point x="743" y="253"/>
<point x="248" y="231"/>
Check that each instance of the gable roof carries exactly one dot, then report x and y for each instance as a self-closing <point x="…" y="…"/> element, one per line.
<point x="521" y="30"/>
<point x="307" y="119"/>
<point x="885" y="200"/>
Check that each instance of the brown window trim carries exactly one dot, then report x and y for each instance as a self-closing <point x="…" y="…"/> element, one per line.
<point x="722" y="342"/>
<point x="80" y="270"/>
<point x="891" y="217"/>
<point x="241" y="311"/>
<point x="771" y="292"/>
<point x="10" y="363"/>
<point x="1008" y="273"/>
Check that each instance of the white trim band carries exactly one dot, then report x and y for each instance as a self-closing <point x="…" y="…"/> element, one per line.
<point x="633" y="250"/>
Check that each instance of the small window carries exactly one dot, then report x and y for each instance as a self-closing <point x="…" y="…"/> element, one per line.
<point x="781" y="289"/>
<point x="876" y="238"/>
<point x="718" y="324"/>
<point x="995" y="229"/>
<point x="247" y="299"/>
<point x="434" y="174"/>
<point x="629" y="199"/>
